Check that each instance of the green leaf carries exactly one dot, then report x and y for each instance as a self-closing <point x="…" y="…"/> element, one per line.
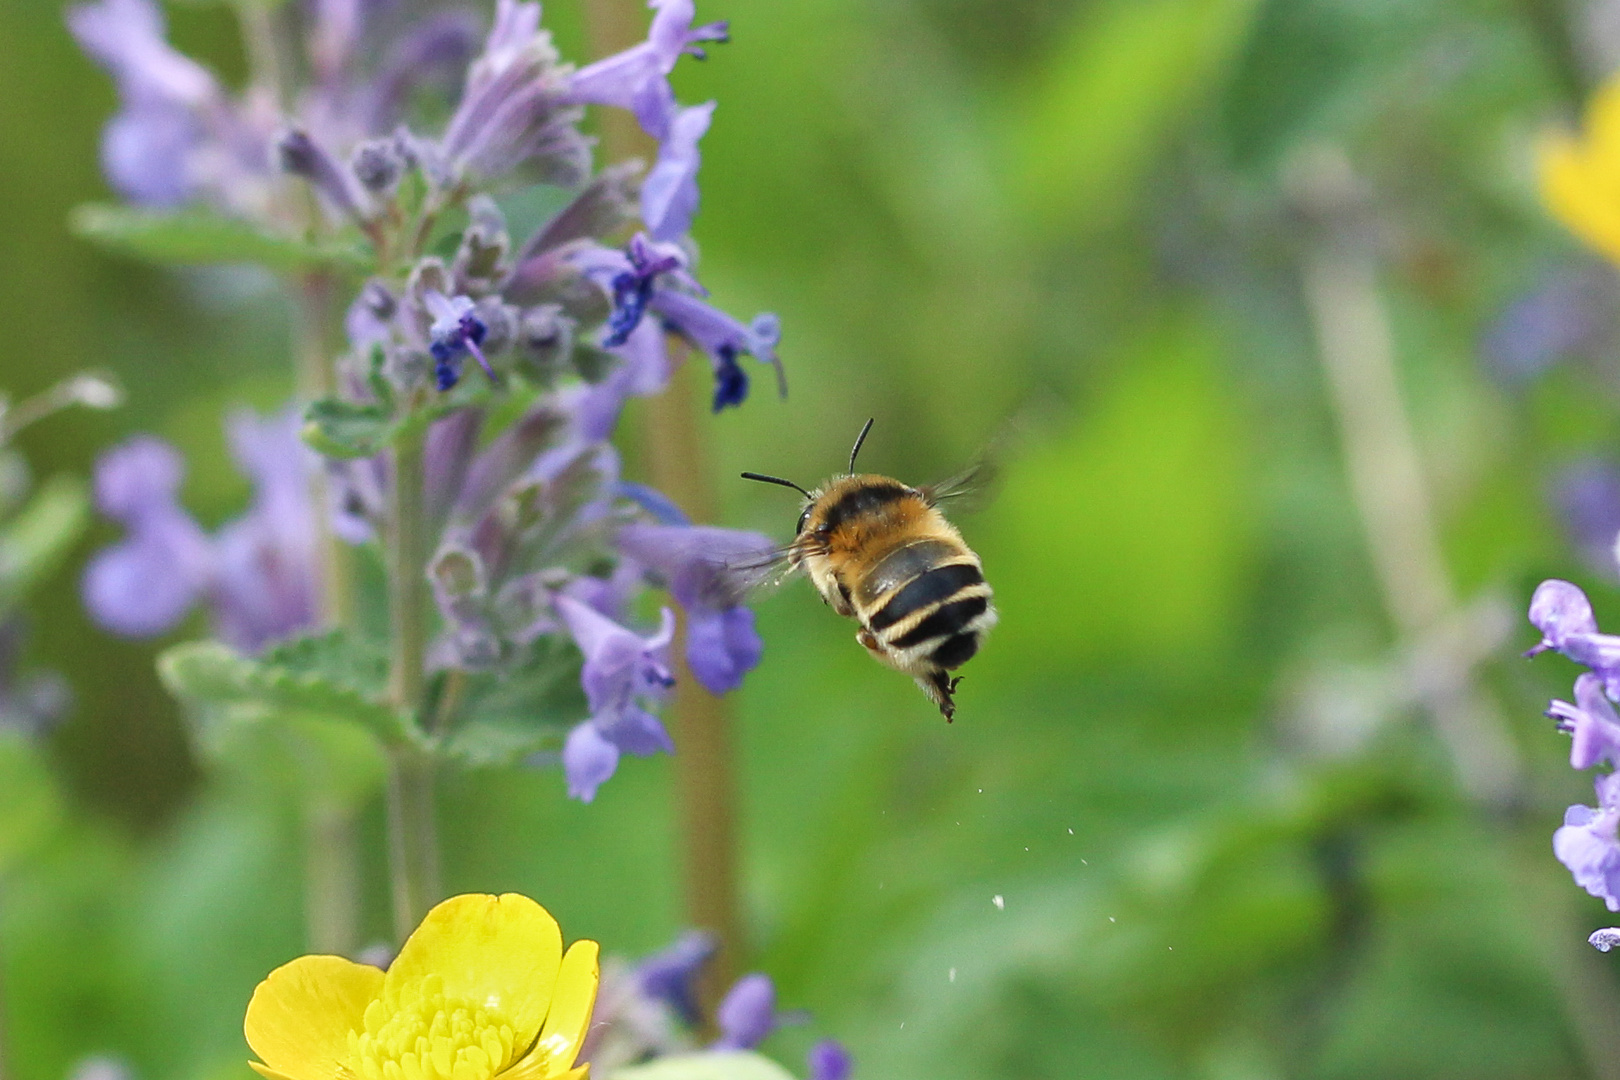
<point x="347" y="429"/>
<point x="33" y="543"/>
<point x="522" y="711"/>
<point x="320" y="678"/>
<point x="197" y="236"/>
<point x="28" y="798"/>
<point x="735" y="1065"/>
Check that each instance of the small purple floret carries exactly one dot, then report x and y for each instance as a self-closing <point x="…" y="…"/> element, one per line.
<point x="1587" y="844"/>
<point x="747" y="1014"/>
<point x="671" y="976"/>
<point x="829" y="1060"/>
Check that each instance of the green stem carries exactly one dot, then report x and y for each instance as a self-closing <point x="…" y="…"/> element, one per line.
<point x="331" y="876"/>
<point x="413" y="847"/>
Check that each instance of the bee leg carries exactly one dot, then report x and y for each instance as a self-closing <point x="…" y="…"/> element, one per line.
<point x="939" y="687"/>
<point x="868" y="640"/>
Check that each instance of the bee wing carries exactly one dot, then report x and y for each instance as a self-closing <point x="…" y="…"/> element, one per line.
<point x="740" y="578"/>
<point x="969" y="489"/>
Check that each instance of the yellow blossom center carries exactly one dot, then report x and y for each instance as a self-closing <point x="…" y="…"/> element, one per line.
<point x="432" y="1036"/>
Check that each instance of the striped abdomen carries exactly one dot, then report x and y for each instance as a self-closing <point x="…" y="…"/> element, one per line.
<point x="927" y="604"/>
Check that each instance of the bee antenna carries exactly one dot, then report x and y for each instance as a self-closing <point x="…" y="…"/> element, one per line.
<point x="858" y="440"/>
<point x="776" y="480"/>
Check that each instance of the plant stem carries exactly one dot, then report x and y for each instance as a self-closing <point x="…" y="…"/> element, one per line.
<point x="331" y="837"/>
<point x="412" y="843"/>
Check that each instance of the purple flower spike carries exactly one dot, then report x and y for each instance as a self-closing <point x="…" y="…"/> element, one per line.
<point x="456" y="329"/>
<point x="1586" y="843"/>
<point x="669" y="195"/>
<point x="144" y="153"/>
<point x="127" y="38"/>
<point x="145" y="584"/>
<point x="697" y="563"/>
<point x="338" y="187"/>
<point x="622" y="672"/>
<point x="829" y="1060"/>
<point x="1592" y="723"/>
<point x="637" y="79"/>
<point x="747" y="1014"/>
<point x="670" y="976"/>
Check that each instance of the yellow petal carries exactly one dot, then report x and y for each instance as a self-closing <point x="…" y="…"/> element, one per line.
<point x="497" y="952"/>
<point x="568" y="1020"/>
<point x="300" y="1017"/>
<point x="1582" y="194"/>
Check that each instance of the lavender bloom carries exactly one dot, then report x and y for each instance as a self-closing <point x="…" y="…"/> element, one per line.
<point x="513" y="108"/>
<point x="829" y="1060"/>
<point x="622" y="670"/>
<point x="258" y="573"/>
<point x="338" y="187"/>
<point x="456" y="329"/>
<point x="1591" y="722"/>
<point x="265" y="580"/>
<point x="146" y="583"/>
<point x="1564" y="616"/>
<point x="747" y="1014"/>
<point x="1568" y="314"/>
<point x="1587" y="845"/>
<point x="1605" y="939"/>
<point x="670" y="976"/>
<point x="146" y="147"/>
<point x="669" y="195"/>
<point x="637" y="79"/>
<point x="696" y="562"/>
<point x="633" y="288"/>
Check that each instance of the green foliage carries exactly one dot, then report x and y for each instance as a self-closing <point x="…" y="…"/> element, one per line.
<point x="322" y="678"/>
<point x="194" y="237"/>
<point x="29" y="804"/>
<point x="740" y="1065"/>
<point x="347" y="429"/>
<point x="35" y="540"/>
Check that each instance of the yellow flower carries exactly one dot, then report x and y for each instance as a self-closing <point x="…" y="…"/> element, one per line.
<point x="482" y="989"/>
<point x="1580" y="177"/>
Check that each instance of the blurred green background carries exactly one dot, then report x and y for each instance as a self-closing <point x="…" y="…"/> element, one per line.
<point x="1189" y="822"/>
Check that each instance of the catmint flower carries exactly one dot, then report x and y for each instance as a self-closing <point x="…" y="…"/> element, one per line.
<point x="1562" y="613"/>
<point x="1591" y="722"/>
<point x="637" y="79"/>
<point x="1569" y="314"/>
<point x="456" y="329"/>
<point x="513" y="109"/>
<point x="669" y="195"/>
<point x="1587" y="844"/>
<point x="633" y="287"/>
<point x="828" y="1060"/>
<point x="146" y="583"/>
<point x="622" y="672"/>
<point x="747" y="1014"/>
<point x="1605" y="939"/>
<point x="378" y="164"/>
<point x="338" y="187"/>
<point x="145" y="152"/>
<point x="697" y="564"/>
<point x="671" y="976"/>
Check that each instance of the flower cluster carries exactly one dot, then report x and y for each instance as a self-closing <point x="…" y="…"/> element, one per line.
<point x="531" y="535"/>
<point x="1587" y="843"/>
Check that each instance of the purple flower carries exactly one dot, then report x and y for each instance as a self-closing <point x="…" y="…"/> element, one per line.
<point x="1562" y="613"/>
<point x="670" y="976"/>
<point x="637" y="79"/>
<point x="697" y="564"/>
<point x="338" y="186"/>
<point x="1592" y="723"/>
<point x="723" y="338"/>
<point x="513" y="107"/>
<point x="669" y="195"/>
<point x="456" y="329"/>
<point x="258" y="573"/>
<point x="622" y="672"/>
<point x="633" y="287"/>
<point x="145" y="150"/>
<point x="146" y="583"/>
<point x="1586" y="496"/>
<point x="265" y="578"/>
<point x="1586" y="843"/>
<point x="1569" y="313"/>
<point x="747" y="1014"/>
<point x="829" y="1060"/>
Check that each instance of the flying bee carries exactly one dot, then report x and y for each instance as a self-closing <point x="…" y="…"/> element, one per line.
<point x="880" y="552"/>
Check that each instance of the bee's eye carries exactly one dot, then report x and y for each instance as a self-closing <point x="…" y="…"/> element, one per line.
<point x="804" y="517"/>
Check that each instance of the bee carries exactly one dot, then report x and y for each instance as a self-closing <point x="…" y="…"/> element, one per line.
<point x="880" y="552"/>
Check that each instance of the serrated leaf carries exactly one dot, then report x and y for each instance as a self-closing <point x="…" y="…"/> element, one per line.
<point x="521" y="711"/>
<point x="483" y="744"/>
<point x="198" y="237"/>
<point x="318" y="678"/>
<point x="35" y="540"/>
<point x="347" y="429"/>
<point x="731" y="1065"/>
